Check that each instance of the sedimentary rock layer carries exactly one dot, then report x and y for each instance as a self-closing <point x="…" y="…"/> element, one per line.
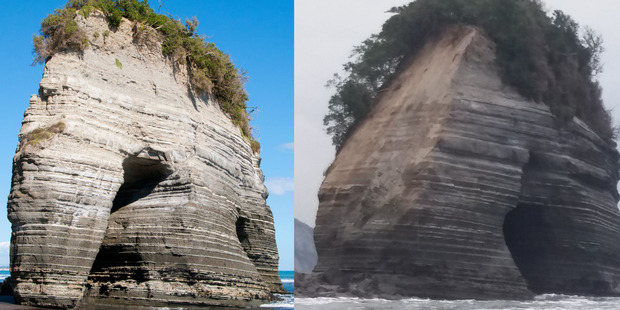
<point x="129" y="188"/>
<point x="457" y="187"/>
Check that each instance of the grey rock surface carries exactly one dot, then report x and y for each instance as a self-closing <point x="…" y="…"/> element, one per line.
<point x="457" y="187"/>
<point x="305" y="252"/>
<point x="129" y="188"/>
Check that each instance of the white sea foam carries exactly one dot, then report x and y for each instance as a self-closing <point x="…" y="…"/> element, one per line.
<point x="286" y="302"/>
<point x="541" y="302"/>
<point x="278" y="305"/>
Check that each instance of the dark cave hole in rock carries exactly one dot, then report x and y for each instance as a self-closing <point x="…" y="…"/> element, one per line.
<point x="140" y="177"/>
<point x="122" y="261"/>
<point x="529" y="230"/>
<point x="243" y="236"/>
<point x="528" y="237"/>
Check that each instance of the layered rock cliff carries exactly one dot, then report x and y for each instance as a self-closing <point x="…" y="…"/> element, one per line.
<point x="457" y="187"/>
<point x="130" y="188"/>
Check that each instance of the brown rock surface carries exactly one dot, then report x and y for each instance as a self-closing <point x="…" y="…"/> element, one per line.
<point x="457" y="187"/>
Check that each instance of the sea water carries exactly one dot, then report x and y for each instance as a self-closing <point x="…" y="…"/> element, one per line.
<point x="286" y="301"/>
<point x="4" y="274"/>
<point x="544" y="302"/>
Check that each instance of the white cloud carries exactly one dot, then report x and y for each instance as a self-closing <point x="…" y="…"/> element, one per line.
<point x="286" y="146"/>
<point x="279" y="186"/>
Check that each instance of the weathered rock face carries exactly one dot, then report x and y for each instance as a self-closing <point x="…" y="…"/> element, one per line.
<point x="457" y="187"/>
<point x="305" y="253"/>
<point x="127" y="188"/>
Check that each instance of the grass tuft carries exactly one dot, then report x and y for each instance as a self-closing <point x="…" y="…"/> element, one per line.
<point x="39" y="135"/>
<point x="211" y="70"/>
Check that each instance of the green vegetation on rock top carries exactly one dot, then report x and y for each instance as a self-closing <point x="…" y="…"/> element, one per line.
<point x="211" y="70"/>
<point x="547" y="58"/>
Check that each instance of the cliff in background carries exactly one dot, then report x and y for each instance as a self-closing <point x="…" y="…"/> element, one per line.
<point x="305" y="252"/>
<point x="129" y="188"/>
<point x="455" y="186"/>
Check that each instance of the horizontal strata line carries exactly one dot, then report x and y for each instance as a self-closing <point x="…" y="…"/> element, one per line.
<point x="227" y="279"/>
<point x="69" y="184"/>
<point x="449" y="227"/>
<point x="57" y="246"/>
<point x="211" y="268"/>
<point x="242" y="262"/>
<point x="510" y="194"/>
<point x="507" y="169"/>
<point x="54" y="265"/>
<point x="484" y="280"/>
<point x="58" y="205"/>
<point x="47" y="235"/>
<point x="169" y="241"/>
<point x="40" y="255"/>
<point x="91" y="180"/>
<point x="470" y="265"/>
<point x="466" y="250"/>
<point x="87" y="269"/>
<point x="203" y="251"/>
<point x="209" y="233"/>
<point x="477" y="173"/>
<point x="273" y="269"/>
<point x="171" y="232"/>
<point x="46" y="297"/>
<point x="146" y="220"/>
<point x="507" y="201"/>
<point x="224" y="237"/>
<point x="495" y="240"/>
<point x="144" y="207"/>
<point x="498" y="189"/>
<point x="61" y="210"/>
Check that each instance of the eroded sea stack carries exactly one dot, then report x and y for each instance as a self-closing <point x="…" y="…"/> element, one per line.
<point x="130" y="188"/>
<point x="456" y="187"/>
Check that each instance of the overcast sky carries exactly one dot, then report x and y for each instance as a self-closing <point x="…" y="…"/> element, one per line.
<point x="325" y="33"/>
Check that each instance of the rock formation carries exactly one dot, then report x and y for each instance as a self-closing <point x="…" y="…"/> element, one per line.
<point x="457" y="187"/>
<point x="128" y="188"/>
<point x="305" y="253"/>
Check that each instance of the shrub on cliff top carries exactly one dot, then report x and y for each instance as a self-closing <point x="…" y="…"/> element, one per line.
<point x="545" y="57"/>
<point x="211" y="70"/>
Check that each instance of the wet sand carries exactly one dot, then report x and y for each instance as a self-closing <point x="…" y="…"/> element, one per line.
<point x="6" y="303"/>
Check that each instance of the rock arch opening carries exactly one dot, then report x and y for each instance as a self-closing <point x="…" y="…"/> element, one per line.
<point x="118" y="258"/>
<point x="531" y="229"/>
<point x="140" y="177"/>
<point x="528" y="235"/>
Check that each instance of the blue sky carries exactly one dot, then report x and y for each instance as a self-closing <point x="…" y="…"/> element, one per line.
<point x="257" y="34"/>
